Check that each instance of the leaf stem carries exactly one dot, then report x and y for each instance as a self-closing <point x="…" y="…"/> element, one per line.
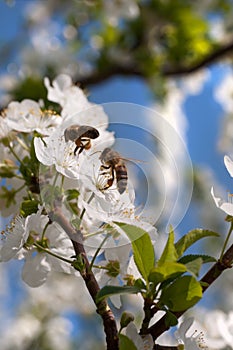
<point x="89" y="200"/>
<point x="22" y="144"/>
<point x="226" y="241"/>
<point x="14" y="153"/>
<point x="55" y="179"/>
<point x="45" y="228"/>
<point x="52" y="254"/>
<point x="98" y="250"/>
<point x="20" y="188"/>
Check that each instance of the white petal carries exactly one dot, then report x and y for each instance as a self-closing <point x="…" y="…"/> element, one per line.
<point x="229" y="165"/>
<point x="224" y="206"/>
<point x="132" y="333"/>
<point x="35" y="270"/>
<point x="184" y="327"/>
<point x="42" y="152"/>
<point x="60" y="84"/>
<point x="14" y="240"/>
<point x="116" y="300"/>
<point x="148" y="343"/>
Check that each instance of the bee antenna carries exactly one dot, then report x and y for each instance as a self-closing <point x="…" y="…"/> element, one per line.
<point x="95" y="153"/>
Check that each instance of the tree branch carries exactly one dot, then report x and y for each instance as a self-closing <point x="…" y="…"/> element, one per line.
<point x="99" y="76"/>
<point x="115" y="69"/>
<point x="216" y="270"/>
<point x="103" y="309"/>
<point x="150" y="310"/>
<point x="164" y="347"/>
<point x="212" y="57"/>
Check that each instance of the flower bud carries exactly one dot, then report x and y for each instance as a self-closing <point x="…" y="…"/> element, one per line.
<point x="126" y="318"/>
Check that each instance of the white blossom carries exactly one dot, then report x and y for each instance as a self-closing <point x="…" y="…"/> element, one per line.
<point x="38" y="263"/>
<point x="116" y="9"/>
<point x="20" y="332"/>
<point x="62" y="89"/>
<point x="121" y="210"/>
<point x="194" y="341"/>
<point x="57" y="294"/>
<point x="36" y="269"/>
<point x="19" y="243"/>
<point x="116" y="255"/>
<point x="76" y="109"/>
<point x="227" y="207"/>
<point x="58" y="333"/>
<point x="26" y="116"/>
<point x="5" y="129"/>
<point x="142" y="343"/>
<point x="53" y="150"/>
<point x="224" y="326"/>
<point x="217" y="332"/>
<point x="8" y="208"/>
<point x="14" y="238"/>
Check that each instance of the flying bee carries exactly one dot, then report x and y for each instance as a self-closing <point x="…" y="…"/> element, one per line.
<point x="81" y="135"/>
<point x="113" y="162"/>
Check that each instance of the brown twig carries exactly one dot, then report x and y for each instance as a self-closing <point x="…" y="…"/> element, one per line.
<point x="150" y="310"/>
<point x="212" y="57"/>
<point x="215" y="271"/>
<point x="164" y="347"/>
<point x="103" y="309"/>
<point x="114" y="69"/>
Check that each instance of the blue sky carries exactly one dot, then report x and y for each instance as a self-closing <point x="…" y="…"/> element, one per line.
<point x="204" y="115"/>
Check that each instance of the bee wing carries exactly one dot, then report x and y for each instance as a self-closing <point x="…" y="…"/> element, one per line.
<point x="133" y="160"/>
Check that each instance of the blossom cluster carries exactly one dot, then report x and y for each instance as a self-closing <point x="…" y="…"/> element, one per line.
<point x="63" y="157"/>
<point x="40" y="155"/>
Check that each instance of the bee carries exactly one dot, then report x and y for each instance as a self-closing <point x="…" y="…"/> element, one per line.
<point x="81" y="135"/>
<point x="113" y="161"/>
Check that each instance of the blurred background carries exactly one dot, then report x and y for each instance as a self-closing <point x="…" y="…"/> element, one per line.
<point x="174" y="60"/>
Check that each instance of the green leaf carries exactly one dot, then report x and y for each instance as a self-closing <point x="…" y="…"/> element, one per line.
<point x="7" y="169"/>
<point x="31" y="88"/>
<point x="125" y="343"/>
<point x="191" y="237"/>
<point x="169" y="253"/>
<point x="143" y="250"/>
<point x="76" y="223"/>
<point x="79" y="263"/>
<point x="107" y="291"/>
<point x="182" y="294"/>
<point x="194" y="266"/>
<point x="139" y="283"/>
<point x="50" y="193"/>
<point x="8" y="196"/>
<point x="190" y="257"/>
<point x="29" y="169"/>
<point x="28" y="207"/>
<point x="167" y="270"/>
<point x="170" y="319"/>
<point x="71" y="194"/>
<point x="126" y="318"/>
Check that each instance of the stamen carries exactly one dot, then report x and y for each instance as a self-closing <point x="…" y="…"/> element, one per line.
<point x="230" y="197"/>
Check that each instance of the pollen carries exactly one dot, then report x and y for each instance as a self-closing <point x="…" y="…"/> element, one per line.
<point x="49" y="113"/>
<point x="230" y="197"/>
<point x="200" y="340"/>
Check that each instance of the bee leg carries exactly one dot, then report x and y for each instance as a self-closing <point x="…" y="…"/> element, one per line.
<point x="110" y="180"/>
<point x="87" y="143"/>
<point x="75" y="150"/>
<point x="81" y="147"/>
<point x="104" y="167"/>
